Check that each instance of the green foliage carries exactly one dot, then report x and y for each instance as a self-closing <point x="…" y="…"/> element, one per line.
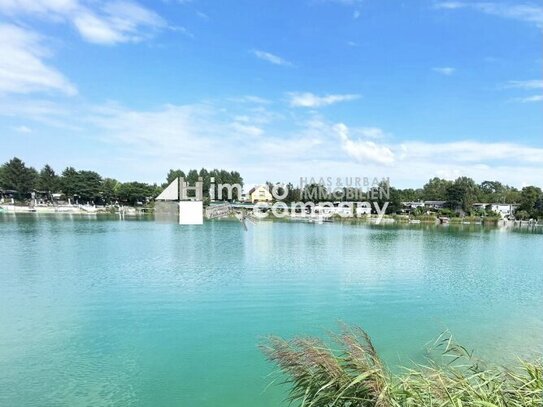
<point x="192" y="176"/>
<point x="436" y="189"/>
<point x="354" y="375"/>
<point x="173" y="174"/>
<point x="48" y="181"/>
<point x="15" y="175"/>
<point x="109" y="189"/>
<point x="462" y="194"/>
<point x="522" y="214"/>
<point x="68" y="181"/>
<point x="87" y="185"/>
<point x="492" y="191"/>
<point x="411" y="195"/>
<point x="133" y="192"/>
<point x="531" y="203"/>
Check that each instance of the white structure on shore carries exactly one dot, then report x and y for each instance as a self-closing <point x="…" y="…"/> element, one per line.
<point x="503" y="209"/>
<point x="260" y="193"/>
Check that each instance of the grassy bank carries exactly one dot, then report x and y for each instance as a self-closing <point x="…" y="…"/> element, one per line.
<point x="353" y="375"/>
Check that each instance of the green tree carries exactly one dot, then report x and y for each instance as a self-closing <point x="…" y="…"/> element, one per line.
<point x="492" y="191"/>
<point x="385" y="193"/>
<point x="530" y="197"/>
<point x="173" y="174"/>
<point x="48" y="181"/>
<point x="109" y="189"/>
<point x="89" y="185"/>
<point x="68" y="181"/>
<point x="436" y="189"/>
<point x="84" y="184"/>
<point x="133" y="192"/>
<point x="512" y="195"/>
<point x="462" y="194"/>
<point x="522" y="214"/>
<point x="411" y="195"/>
<point x="192" y="177"/>
<point x="15" y="175"/>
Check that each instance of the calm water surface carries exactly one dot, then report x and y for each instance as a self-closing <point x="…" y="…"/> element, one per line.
<point x="136" y="313"/>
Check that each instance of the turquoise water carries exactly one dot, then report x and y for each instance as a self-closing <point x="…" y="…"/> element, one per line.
<point x="137" y="313"/>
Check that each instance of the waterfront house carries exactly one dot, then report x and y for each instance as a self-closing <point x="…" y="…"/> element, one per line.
<point x="260" y="193"/>
<point x="409" y="207"/>
<point x="480" y="205"/>
<point x="434" y="204"/>
<point x="504" y="210"/>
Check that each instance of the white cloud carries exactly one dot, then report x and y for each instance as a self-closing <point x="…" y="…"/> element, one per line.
<point x="256" y="142"/>
<point x="471" y="151"/>
<point x="271" y="58"/>
<point x="96" y="30"/>
<point x="245" y="129"/>
<point x="522" y="12"/>
<point x="534" y="84"/>
<point x="22" y="129"/>
<point x="370" y="132"/>
<point x="530" y="84"/>
<point x="117" y="22"/>
<point x="104" y="22"/>
<point x="257" y="100"/>
<point x="307" y="99"/>
<point x="44" y="8"/>
<point x="363" y="150"/>
<point x="531" y="99"/>
<point x="22" y="66"/>
<point x="445" y="70"/>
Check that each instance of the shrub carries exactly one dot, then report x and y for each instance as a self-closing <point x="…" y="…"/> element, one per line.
<point x="354" y="376"/>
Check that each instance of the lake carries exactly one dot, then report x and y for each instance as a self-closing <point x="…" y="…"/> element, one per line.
<point x="101" y="312"/>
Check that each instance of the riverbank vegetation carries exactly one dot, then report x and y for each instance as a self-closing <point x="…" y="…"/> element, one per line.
<point x="354" y="375"/>
<point x="89" y="186"/>
<point x="457" y="197"/>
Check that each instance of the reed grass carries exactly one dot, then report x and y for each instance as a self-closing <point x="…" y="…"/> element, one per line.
<point x="354" y="376"/>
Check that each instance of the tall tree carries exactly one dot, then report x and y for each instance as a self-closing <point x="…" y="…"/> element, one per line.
<point x="89" y="185"/>
<point x="173" y="174"/>
<point x="15" y="175"/>
<point x="530" y="198"/>
<point x="109" y="189"/>
<point x="69" y="181"/>
<point x="192" y="177"/>
<point x="462" y="194"/>
<point x="47" y="181"/>
<point x="436" y="189"/>
<point x="133" y="192"/>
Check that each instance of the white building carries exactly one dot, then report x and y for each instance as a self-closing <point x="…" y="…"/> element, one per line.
<point x="260" y="193"/>
<point x="505" y="210"/>
<point x="434" y="204"/>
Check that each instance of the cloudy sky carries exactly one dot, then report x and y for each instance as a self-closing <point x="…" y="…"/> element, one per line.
<point x="277" y="90"/>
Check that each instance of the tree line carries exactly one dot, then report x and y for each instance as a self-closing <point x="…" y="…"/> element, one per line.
<point x="458" y="196"/>
<point x="89" y="186"/>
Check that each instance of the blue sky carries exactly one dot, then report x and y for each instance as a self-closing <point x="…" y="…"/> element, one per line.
<point x="275" y="89"/>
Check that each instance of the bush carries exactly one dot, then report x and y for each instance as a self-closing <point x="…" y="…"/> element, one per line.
<point x="355" y="376"/>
